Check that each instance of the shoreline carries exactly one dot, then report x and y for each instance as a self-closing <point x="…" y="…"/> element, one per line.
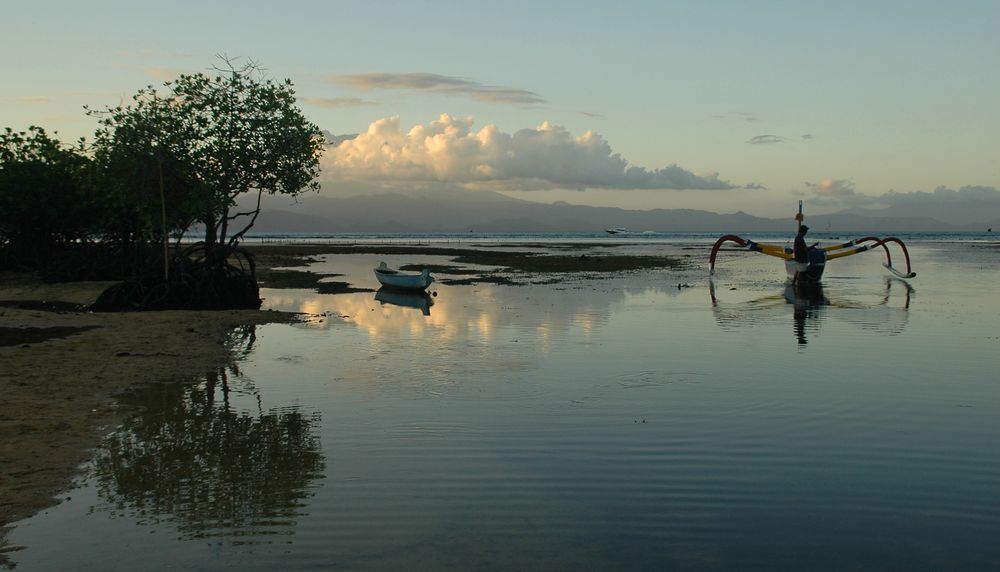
<point x="60" y="393"/>
<point x="62" y="368"/>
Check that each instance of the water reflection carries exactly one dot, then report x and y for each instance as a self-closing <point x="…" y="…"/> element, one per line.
<point x="471" y="332"/>
<point x="195" y="460"/>
<point x="461" y="313"/>
<point x="419" y="300"/>
<point x="807" y="302"/>
<point x="811" y="306"/>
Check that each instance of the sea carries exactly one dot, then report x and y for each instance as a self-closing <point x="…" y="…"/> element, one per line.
<point x="662" y="419"/>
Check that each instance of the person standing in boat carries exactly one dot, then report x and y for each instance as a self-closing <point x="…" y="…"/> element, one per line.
<point x="800" y="252"/>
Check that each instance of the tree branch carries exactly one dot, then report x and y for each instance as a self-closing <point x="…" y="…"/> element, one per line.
<point x="236" y="237"/>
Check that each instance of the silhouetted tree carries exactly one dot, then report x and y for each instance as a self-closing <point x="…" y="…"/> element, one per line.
<point x="149" y="191"/>
<point x="190" y="152"/>
<point x="46" y="203"/>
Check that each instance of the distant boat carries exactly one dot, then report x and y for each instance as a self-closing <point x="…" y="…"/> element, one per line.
<point x="625" y="231"/>
<point x="391" y="278"/>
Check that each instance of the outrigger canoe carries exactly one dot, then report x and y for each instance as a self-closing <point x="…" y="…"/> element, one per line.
<point x="819" y="256"/>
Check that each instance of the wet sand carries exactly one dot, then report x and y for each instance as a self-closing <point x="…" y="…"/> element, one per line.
<point x="61" y="366"/>
<point x="60" y="371"/>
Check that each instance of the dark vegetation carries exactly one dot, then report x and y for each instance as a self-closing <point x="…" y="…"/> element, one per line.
<point x="167" y="164"/>
<point x="305" y="279"/>
<point x="505" y="267"/>
<point x="510" y="261"/>
<point x="521" y="262"/>
<point x="290" y="278"/>
<point x="333" y="287"/>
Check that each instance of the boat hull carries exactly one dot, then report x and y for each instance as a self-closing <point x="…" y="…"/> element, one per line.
<point x="814" y="272"/>
<point x="395" y="279"/>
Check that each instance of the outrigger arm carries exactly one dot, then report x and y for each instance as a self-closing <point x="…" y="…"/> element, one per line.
<point x="849" y="248"/>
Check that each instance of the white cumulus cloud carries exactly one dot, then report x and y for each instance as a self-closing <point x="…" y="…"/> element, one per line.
<point x="833" y="188"/>
<point x="450" y="150"/>
<point x="838" y="192"/>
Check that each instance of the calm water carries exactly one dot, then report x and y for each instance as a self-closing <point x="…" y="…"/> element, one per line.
<point x="621" y="423"/>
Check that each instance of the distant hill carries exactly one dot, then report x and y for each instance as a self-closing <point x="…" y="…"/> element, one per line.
<point x="485" y="211"/>
<point x="971" y="212"/>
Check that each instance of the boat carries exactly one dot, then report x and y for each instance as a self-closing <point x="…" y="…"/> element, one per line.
<point x="392" y="278"/>
<point x="818" y="255"/>
<point x="626" y="232"/>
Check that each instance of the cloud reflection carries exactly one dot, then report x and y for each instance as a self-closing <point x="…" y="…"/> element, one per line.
<point x="492" y="328"/>
<point x="460" y="312"/>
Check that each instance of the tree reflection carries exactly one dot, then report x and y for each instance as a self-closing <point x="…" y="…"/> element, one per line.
<point x="191" y="459"/>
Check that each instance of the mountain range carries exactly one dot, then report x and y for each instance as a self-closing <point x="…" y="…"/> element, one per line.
<point x="485" y="211"/>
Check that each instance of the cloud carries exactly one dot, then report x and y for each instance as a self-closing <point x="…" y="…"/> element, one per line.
<point x="972" y="204"/>
<point x="968" y="203"/>
<point x="434" y="83"/>
<point x="34" y="99"/>
<point x="967" y="194"/>
<point x="335" y="102"/>
<point x="163" y="73"/>
<point x="449" y="150"/>
<point x="833" y="188"/>
<point x="746" y="116"/>
<point x="839" y="192"/>
<point x="808" y="137"/>
<point x="334" y="140"/>
<point x="755" y="186"/>
<point x="766" y="139"/>
<point x="592" y="115"/>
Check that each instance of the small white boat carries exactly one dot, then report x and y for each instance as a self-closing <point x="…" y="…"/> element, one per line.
<point x="391" y="278"/>
<point x="618" y="230"/>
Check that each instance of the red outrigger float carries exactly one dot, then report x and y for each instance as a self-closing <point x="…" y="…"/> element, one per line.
<point x="818" y="256"/>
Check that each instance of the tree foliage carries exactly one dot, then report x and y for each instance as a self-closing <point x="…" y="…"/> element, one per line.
<point x="171" y="159"/>
<point x="184" y="155"/>
<point x="46" y="200"/>
<point x="215" y="138"/>
<point x="148" y="189"/>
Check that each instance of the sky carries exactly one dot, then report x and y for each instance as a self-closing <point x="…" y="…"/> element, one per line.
<point x="716" y="105"/>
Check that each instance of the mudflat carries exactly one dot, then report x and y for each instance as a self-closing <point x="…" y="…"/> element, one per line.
<point x="62" y="366"/>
